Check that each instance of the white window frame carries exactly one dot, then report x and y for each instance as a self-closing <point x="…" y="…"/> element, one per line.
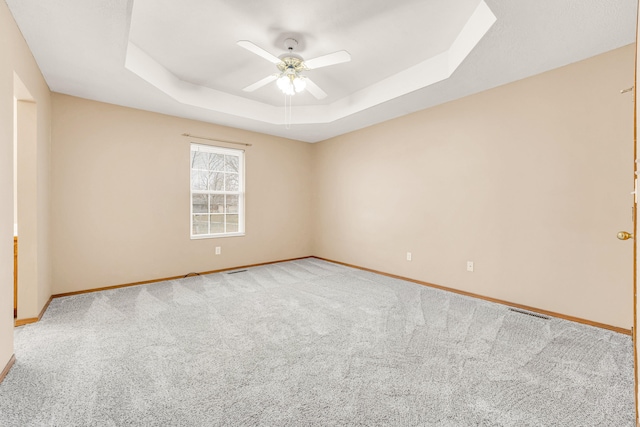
<point x="240" y="193"/>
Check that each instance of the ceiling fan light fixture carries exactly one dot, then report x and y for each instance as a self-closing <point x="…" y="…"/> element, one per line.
<point x="291" y="82"/>
<point x="299" y="83"/>
<point x="286" y="85"/>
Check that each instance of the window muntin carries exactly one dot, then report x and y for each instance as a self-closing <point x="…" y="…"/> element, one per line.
<point x="217" y="191"/>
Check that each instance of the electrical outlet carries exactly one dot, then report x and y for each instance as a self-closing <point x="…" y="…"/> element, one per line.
<point x="408" y="256"/>
<point x="469" y="265"/>
<point x="218" y="250"/>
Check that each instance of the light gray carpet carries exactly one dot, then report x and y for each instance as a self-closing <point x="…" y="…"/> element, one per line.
<point x="310" y="343"/>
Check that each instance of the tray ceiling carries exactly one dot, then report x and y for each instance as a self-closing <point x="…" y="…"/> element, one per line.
<point x="181" y="58"/>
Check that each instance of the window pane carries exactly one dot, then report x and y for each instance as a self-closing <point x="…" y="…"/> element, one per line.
<point x="232" y="204"/>
<point x="199" y="160"/>
<point x="232" y="223"/>
<point x="216" y="162"/>
<point x="217" y="203"/>
<point x="200" y="202"/>
<point x="200" y="224"/>
<point x="232" y="163"/>
<point x="217" y="181"/>
<point x="199" y="180"/>
<point x="233" y="182"/>
<point x="217" y="223"/>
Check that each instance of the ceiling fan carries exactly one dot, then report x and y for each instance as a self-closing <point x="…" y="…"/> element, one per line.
<point x="290" y="66"/>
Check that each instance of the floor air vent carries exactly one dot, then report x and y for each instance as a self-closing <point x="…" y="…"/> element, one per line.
<point x="238" y="271"/>
<point x="528" y="313"/>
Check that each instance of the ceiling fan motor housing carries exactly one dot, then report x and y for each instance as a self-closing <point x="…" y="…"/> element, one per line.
<point x="293" y="63"/>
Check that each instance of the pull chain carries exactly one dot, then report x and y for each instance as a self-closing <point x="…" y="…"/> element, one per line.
<point x="287" y="111"/>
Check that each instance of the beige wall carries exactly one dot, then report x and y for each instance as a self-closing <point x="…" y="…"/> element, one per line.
<point x="27" y="190"/>
<point x="20" y="77"/>
<point x="530" y="181"/>
<point x="121" y="197"/>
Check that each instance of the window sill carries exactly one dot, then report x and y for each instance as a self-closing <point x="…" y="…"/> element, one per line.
<point x="216" y="236"/>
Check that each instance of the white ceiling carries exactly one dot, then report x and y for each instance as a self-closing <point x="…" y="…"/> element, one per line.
<point x="180" y="57"/>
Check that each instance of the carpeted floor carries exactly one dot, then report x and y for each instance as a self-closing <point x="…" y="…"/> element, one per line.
<point x="310" y="343"/>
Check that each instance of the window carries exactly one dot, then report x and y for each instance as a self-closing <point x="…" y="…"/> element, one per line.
<point x="217" y="192"/>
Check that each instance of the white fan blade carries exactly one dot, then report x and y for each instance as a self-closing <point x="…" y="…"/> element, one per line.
<point x="260" y="83"/>
<point x="314" y="89"/>
<point x="329" y="59"/>
<point x="259" y="51"/>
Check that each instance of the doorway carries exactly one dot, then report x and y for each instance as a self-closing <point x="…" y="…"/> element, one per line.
<point x="24" y="196"/>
